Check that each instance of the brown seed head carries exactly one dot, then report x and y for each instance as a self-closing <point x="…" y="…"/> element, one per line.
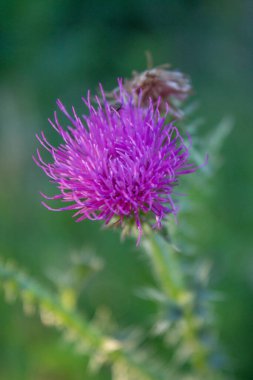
<point x="170" y="87"/>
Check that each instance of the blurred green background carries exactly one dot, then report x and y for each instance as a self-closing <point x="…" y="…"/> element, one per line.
<point x="52" y="49"/>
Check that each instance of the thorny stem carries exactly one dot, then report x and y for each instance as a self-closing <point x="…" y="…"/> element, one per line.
<point x="167" y="268"/>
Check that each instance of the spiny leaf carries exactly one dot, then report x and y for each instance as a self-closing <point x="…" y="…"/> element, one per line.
<point x="88" y="338"/>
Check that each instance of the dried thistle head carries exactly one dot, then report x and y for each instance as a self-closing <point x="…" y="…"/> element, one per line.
<point x="166" y="88"/>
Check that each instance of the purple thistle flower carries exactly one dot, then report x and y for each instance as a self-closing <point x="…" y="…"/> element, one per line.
<point x="116" y="163"/>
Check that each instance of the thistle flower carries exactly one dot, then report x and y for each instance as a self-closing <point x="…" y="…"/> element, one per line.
<point x="168" y="87"/>
<point x="121" y="164"/>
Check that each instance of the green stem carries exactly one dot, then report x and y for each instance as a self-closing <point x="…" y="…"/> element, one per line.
<point x="167" y="268"/>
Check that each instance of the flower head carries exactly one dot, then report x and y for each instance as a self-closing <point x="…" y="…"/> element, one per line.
<point x="120" y="163"/>
<point x="169" y="87"/>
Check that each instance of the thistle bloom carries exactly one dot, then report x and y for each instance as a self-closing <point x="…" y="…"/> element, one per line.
<point x="121" y="164"/>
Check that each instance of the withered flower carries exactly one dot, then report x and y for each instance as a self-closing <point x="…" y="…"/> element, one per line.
<point x="166" y="88"/>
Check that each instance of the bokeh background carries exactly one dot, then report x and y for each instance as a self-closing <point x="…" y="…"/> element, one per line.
<point x="52" y="49"/>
